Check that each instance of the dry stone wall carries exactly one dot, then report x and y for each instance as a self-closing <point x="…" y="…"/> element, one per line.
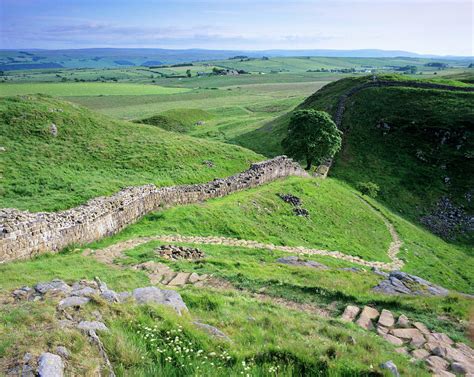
<point x="24" y="234"/>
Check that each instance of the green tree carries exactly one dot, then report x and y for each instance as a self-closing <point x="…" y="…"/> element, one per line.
<point x="188" y="73"/>
<point x="313" y="136"/>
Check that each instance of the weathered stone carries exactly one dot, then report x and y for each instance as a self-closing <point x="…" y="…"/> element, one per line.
<point x="63" y="352"/>
<point x="212" y="331"/>
<point x="297" y="261"/>
<point x="440" y="337"/>
<point x="180" y="279"/>
<point x="443" y="373"/>
<point x="399" y="282"/>
<point x="406" y="334"/>
<point x="465" y="349"/>
<point x="193" y="278"/>
<point x="85" y="291"/>
<point x="403" y="321"/>
<point x="50" y="365"/>
<point x="391" y="367"/>
<point x="365" y="319"/>
<point x="420" y="354"/>
<point x="73" y="301"/>
<point x="402" y="350"/>
<point x="436" y="363"/>
<point x="53" y="285"/>
<point x="463" y="368"/>
<point x="393" y="339"/>
<point x="382" y="330"/>
<point x="350" y="313"/>
<point x="417" y="341"/>
<point x="154" y="295"/>
<point x="423" y="329"/>
<point x="386" y="318"/>
<point x="92" y="325"/>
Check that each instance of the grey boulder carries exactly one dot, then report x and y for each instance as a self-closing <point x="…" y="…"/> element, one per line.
<point x="154" y="295"/>
<point x="50" y="365"/>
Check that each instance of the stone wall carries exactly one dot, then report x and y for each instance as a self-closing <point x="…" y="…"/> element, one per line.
<point x="24" y="234"/>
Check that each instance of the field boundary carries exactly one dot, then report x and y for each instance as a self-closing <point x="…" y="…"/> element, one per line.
<point x="24" y="234"/>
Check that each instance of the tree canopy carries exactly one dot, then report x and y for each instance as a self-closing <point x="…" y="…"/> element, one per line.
<point x="313" y="136"/>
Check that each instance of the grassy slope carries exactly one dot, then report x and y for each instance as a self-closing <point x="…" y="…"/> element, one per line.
<point x="178" y="120"/>
<point x="94" y="155"/>
<point x="409" y="185"/>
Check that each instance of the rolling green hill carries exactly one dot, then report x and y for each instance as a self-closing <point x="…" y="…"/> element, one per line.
<point x="178" y="120"/>
<point x="416" y="144"/>
<point x="94" y="155"/>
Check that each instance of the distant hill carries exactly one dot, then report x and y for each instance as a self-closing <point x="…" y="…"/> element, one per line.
<point x="115" y="57"/>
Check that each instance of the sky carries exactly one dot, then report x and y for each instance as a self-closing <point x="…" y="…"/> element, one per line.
<point x="423" y="26"/>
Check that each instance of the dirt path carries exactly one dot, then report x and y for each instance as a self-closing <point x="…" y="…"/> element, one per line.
<point x="110" y="253"/>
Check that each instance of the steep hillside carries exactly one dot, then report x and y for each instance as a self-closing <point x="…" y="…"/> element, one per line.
<point x="56" y="155"/>
<point x="415" y="143"/>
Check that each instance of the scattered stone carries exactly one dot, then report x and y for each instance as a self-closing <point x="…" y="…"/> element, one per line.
<point x="423" y="329"/>
<point x="179" y="252"/>
<point x="208" y="163"/>
<point x="448" y="220"/>
<point x="301" y="212"/>
<point x="417" y="341"/>
<point x="180" y="279"/>
<point x="293" y="200"/>
<point x="350" y="313"/>
<point x="50" y="365"/>
<point x="366" y="317"/>
<point x="73" y="301"/>
<point x="3" y="149"/>
<point x="53" y="130"/>
<point x="420" y="354"/>
<point x="443" y="373"/>
<point x="393" y="339"/>
<point x="463" y="368"/>
<point x="403" y="321"/>
<point x="193" y="278"/>
<point x="92" y="325"/>
<point x="382" y="330"/>
<point x="350" y="269"/>
<point x="63" y="352"/>
<point x="436" y="363"/>
<point x="154" y="295"/>
<point x="440" y="337"/>
<point x="376" y="271"/>
<point x="386" y="318"/>
<point x="406" y="334"/>
<point x="297" y="261"/>
<point x="391" y="367"/>
<point x="27" y="370"/>
<point x="54" y="285"/>
<point x="212" y="331"/>
<point x="402" y="350"/>
<point x="399" y="282"/>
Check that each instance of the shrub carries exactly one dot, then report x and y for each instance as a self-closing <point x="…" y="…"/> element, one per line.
<point x="368" y="188"/>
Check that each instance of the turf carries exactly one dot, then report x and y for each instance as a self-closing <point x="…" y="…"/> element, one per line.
<point x="93" y="155"/>
<point x="85" y="89"/>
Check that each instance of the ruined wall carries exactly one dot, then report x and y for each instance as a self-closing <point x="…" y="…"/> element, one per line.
<point x="24" y="234"/>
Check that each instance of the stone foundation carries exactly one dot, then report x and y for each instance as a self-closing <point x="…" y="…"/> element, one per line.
<point x="24" y="234"/>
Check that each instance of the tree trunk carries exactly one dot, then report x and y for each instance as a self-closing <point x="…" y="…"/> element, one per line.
<point x="309" y="161"/>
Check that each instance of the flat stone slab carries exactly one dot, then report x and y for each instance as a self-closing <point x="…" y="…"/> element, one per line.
<point x="73" y="301"/>
<point x="393" y="339"/>
<point x="212" y="330"/>
<point x="406" y="334"/>
<point x="53" y="285"/>
<point x="386" y="318"/>
<point x="420" y="354"/>
<point x="350" y="313"/>
<point x="92" y="325"/>
<point x="180" y="279"/>
<point x="50" y="365"/>
<point x="154" y="295"/>
<point x="296" y="261"/>
<point x="398" y="282"/>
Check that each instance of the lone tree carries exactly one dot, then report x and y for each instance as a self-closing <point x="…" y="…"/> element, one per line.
<point x="312" y="135"/>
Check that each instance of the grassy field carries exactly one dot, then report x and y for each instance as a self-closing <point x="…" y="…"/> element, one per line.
<point x="86" y="89"/>
<point x="94" y="155"/>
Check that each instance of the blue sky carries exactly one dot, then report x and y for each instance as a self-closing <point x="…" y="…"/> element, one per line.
<point x="423" y="26"/>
